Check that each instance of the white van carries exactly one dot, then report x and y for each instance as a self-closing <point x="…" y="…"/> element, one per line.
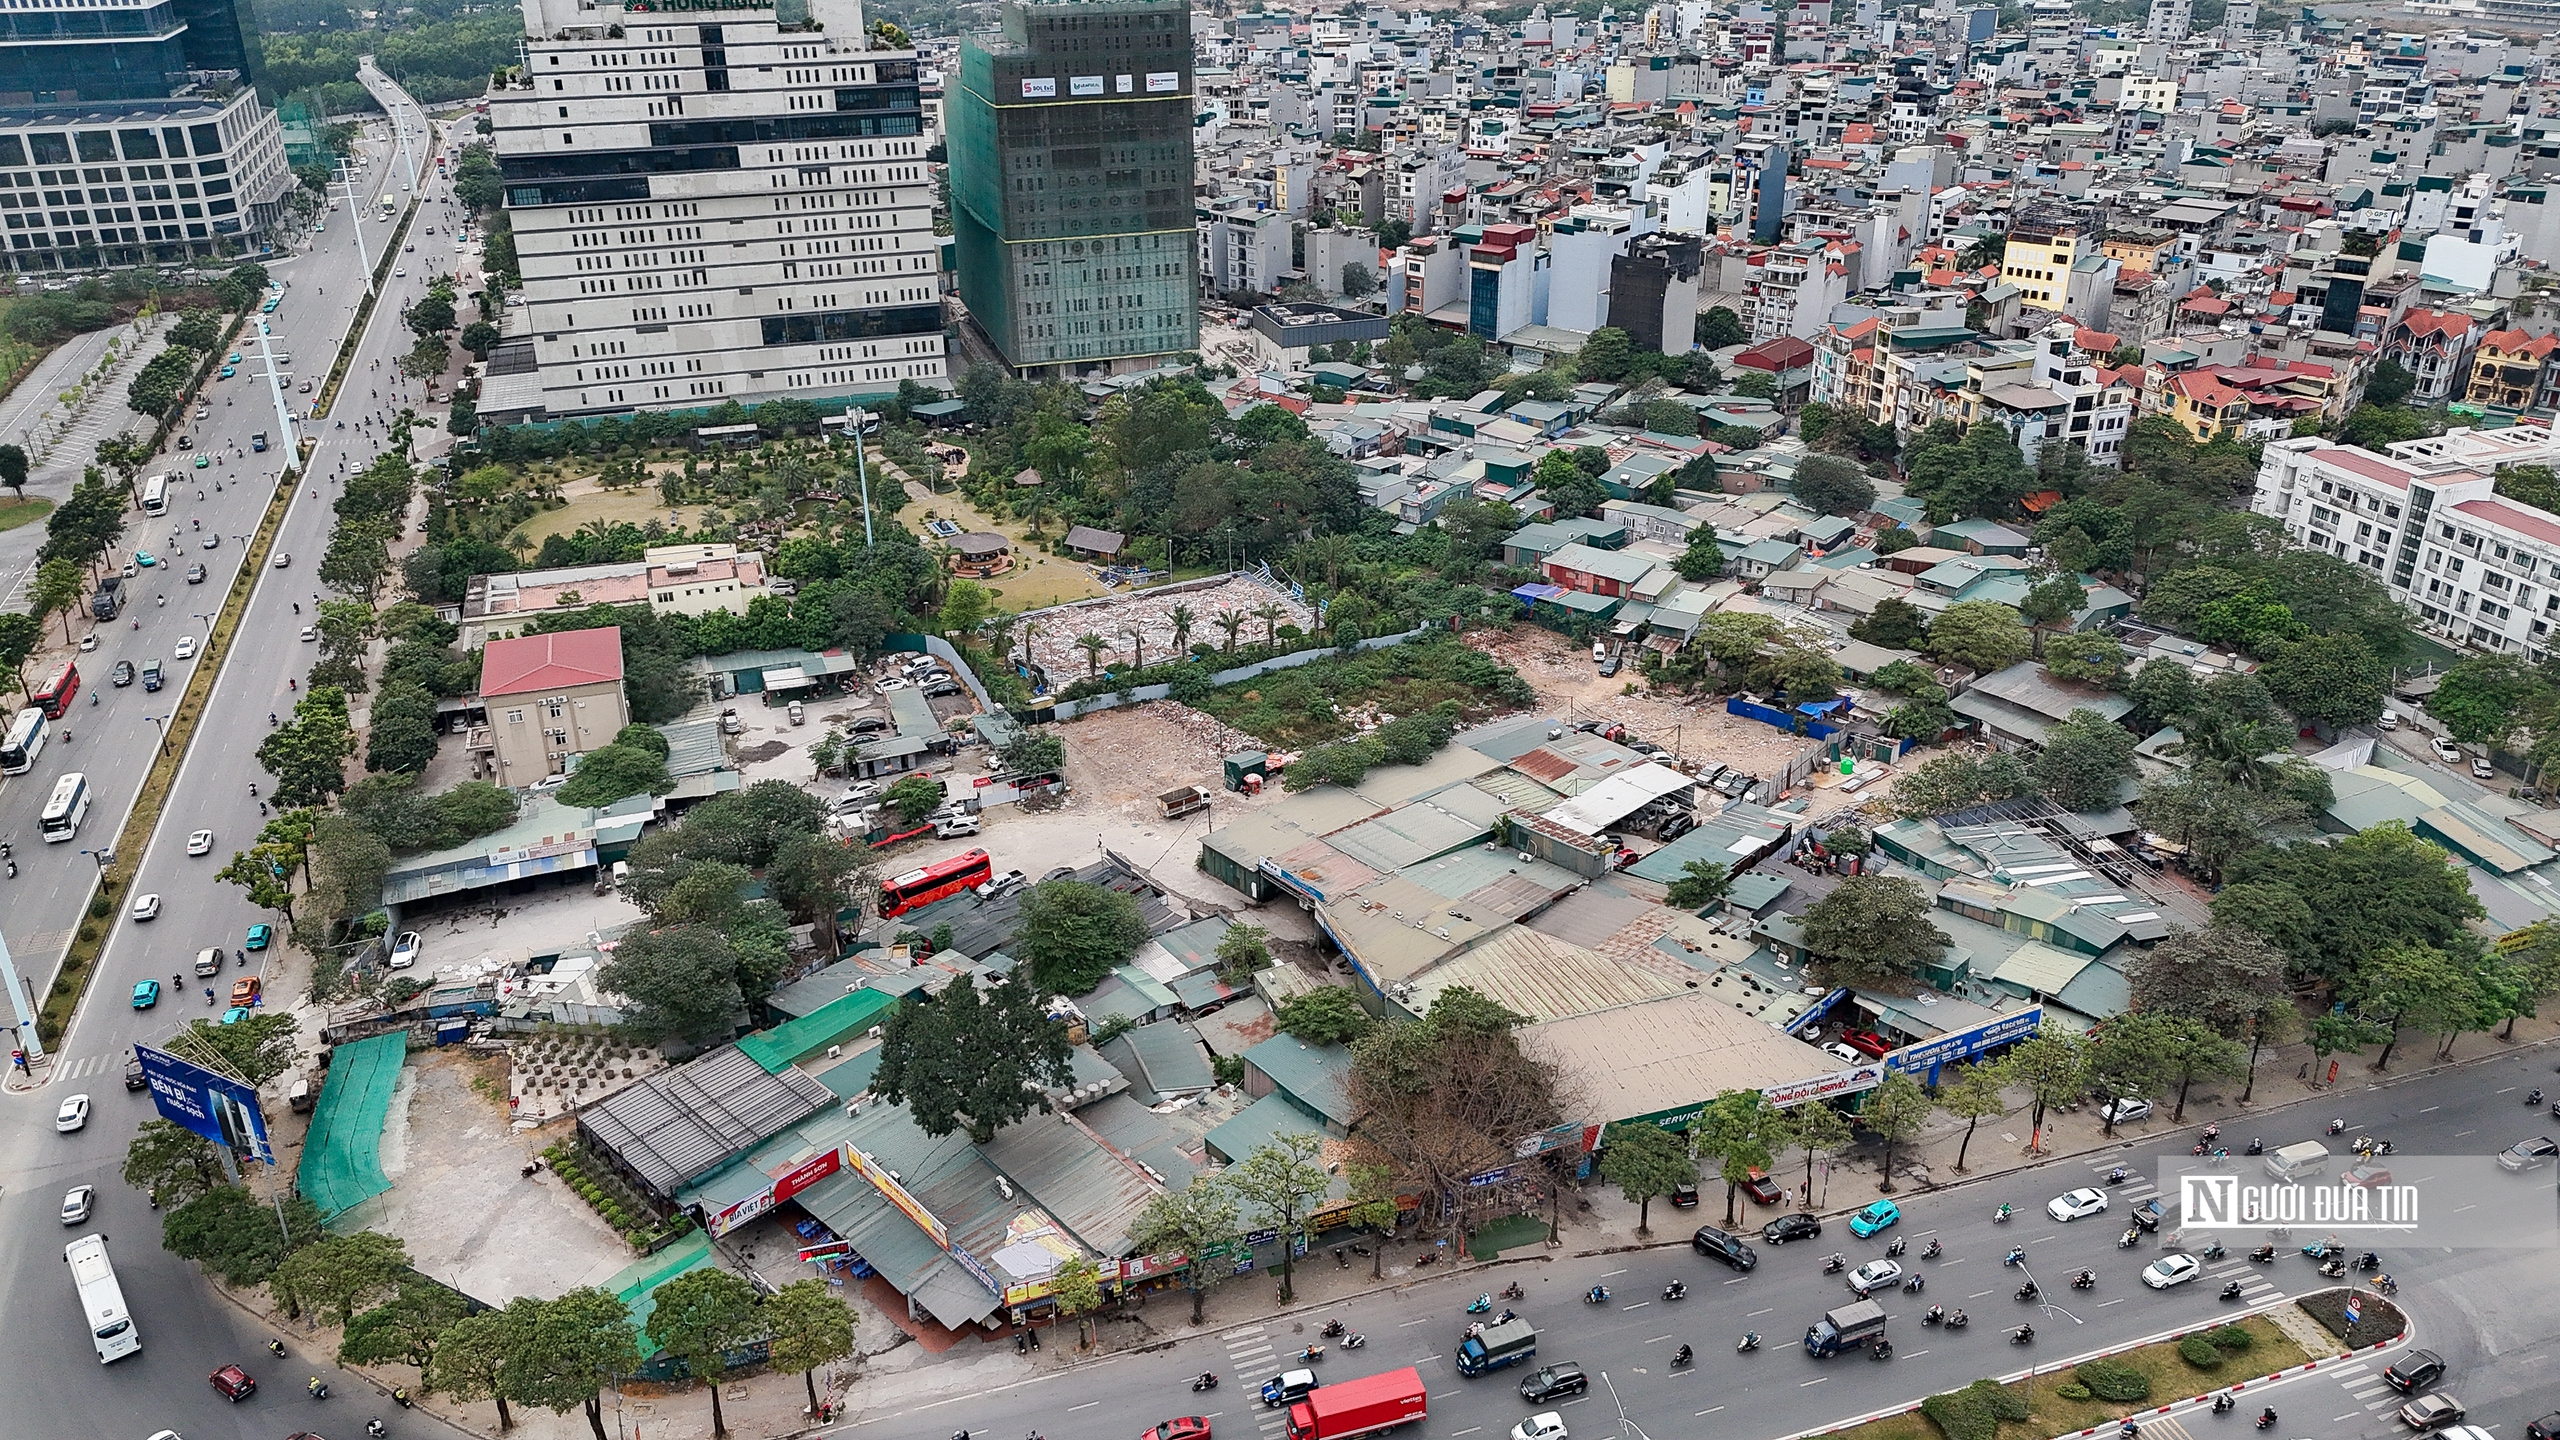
<point x="2305" y="1161"/>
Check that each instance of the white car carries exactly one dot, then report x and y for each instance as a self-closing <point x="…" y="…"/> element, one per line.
<point x="857" y="792"/>
<point x="73" y="1115"/>
<point x="77" y="1203"/>
<point x="1545" y="1425"/>
<point x="186" y="647"/>
<point x="146" y="907"/>
<point x="310" y="633"/>
<point x="200" y="843"/>
<point x="2077" y="1204"/>
<point x="548" y="783"/>
<point x="2483" y="770"/>
<point x="2446" y="750"/>
<point x="2171" y="1270"/>
<point x="1004" y="884"/>
<point x="1875" y="1275"/>
<point x="2125" y="1111"/>
<point x="404" y="952"/>
<point x="893" y="682"/>
<point x="400" y="271"/>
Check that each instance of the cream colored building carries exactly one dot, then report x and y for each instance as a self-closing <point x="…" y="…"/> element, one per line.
<point x="548" y="697"/>
<point x="693" y="579"/>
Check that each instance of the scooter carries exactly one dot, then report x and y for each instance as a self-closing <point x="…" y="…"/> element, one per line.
<point x="2014" y="1257"/>
<point x="2029" y="1291"/>
<point x="2022" y="1335"/>
<point x="1311" y="1355"/>
<point x="1479" y="1306"/>
<point x="2267" y="1420"/>
<point x="2338" y="1127"/>
<point x="1933" y="1252"/>
<point x="1835" y="1264"/>
<point x="2085" y="1280"/>
<point x="1956" y="1320"/>
<point x="1207" y="1380"/>
<point x="2264" y="1254"/>
<point x="2131" y="1237"/>
<point x="2001" y="1216"/>
<point x="2224" y="1404"/>
<point x="1749" y="1342"/>
<point x="1676" y="1290"/>
<point x="1882" y="1350"/>
<point x="2119" y="1175"/>
<point x="2212" y="1252"/>
<point x="1332" y="1329"/>
<point x="1935" y="1314"/>
<point x="1354" y="1340"/>
<point x="373" y="1427"/>
<point x="319" y="1388"/>
<point x="2231" y="1291"/>
<point x="1513" y="1291"/>
<point x="1597" y="1294"/>
<point x="2256" y="1146"/>
<point x="1915" y="1284"/>
<point x="1680" y="1357"/>
<point x="1897" y="1247"/>
<point x="2368" y="1262"/>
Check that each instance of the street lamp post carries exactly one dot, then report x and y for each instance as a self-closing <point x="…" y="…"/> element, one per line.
<point x="161" y="722"/>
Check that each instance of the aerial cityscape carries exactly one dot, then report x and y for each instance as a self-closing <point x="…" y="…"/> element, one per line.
<point x="1085" y="718"/>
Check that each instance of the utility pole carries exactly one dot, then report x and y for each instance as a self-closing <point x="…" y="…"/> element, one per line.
<point x="355" y="218"/>
<point x="853" y="422"/>
<point x="28" y="1038"/>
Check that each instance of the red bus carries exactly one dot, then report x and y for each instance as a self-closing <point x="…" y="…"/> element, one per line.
<point x="55" y="695"/>
<point x="917" y="888"/>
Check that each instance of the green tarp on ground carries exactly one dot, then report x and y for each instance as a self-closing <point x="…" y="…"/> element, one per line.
<point x="342" y="1157"/>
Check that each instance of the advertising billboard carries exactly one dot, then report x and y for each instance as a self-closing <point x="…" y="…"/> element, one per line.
<point x="217" y="1107"/>
<point x="1922" y="1059"/>
<point x="1042" y="89"/>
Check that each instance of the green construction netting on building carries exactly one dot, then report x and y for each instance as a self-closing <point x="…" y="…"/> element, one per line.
<point x="342" y="1158"/>
<point x="637" y="1283"/>
<point x="787" y="1044"/>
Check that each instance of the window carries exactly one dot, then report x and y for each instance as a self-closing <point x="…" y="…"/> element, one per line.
<point x="515" y="717"/>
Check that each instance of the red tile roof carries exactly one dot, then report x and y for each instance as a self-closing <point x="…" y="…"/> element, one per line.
<point x="542" y="663"/>
<point x="2513" y="517"/>
<point x="2204" y="390"/>
<point x="2422" y="322"/>
<point x="2366" y="464"/>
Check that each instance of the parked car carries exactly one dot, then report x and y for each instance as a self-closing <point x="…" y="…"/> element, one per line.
<point x="2126" y="1110"/>
<point x="1791" y="1227"/>
<point x="1004" y="884"/>
<point x="2446" y="750"/>
<point x="1762" y="1189"/>
<point x="1867" y="1043"/>
<point x="404" y="952"/>
<point x="1684" y="1197"/>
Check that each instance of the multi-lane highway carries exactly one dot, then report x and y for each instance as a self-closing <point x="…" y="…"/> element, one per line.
<point x="58" y="1388"/>
<point x="2493" y="1314"/>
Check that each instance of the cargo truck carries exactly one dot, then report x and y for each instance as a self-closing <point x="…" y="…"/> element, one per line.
<point x="110" y="595"/>
<point x="1844" y="1328"/>
<point x="1508" y="1343"/>
<point x="1366" y="1406"/>
<point x="1187" y="800"/>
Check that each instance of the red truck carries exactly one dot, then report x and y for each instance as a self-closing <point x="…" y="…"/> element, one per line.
<point x="1365" y="1406"/>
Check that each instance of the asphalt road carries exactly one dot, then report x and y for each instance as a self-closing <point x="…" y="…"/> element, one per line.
<point x="2492" y="1314"/>
<point x="58" y="1387"/>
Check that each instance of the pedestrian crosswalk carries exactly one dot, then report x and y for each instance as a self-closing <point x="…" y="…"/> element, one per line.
<point x="88" y="1065"/>
<point x="1250" y="1361"/>
<point x="2257" y="1283"/>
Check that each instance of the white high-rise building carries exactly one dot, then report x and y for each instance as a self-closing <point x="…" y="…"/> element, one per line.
<point x="2171" y="21"/>
<point x="712" y="202"/>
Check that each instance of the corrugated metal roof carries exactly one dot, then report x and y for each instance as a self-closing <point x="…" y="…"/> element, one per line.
<point x="2040" y="968"/>
<point x="1541" y="977"/>
<point x="1318" y="1077"/>
<point x="1407" y="836"/>
<point x="1325" y="871"/>
<point x="1464" y="872"/>
<point x="684" y="1123"/>
<point x="2485" y="842"/>
<point x="1590" y="916"/>
<point x="1514" y="791"/>
<point x="1387" y="786"/>
<point x="1670" y="1054"/>
<point x="1619" y="796"/>
<point x="1092" y="1190"/>
<point x="1162" y="1061"/>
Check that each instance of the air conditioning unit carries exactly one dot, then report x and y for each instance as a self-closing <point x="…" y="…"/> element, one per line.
<point x="835" y="1052"/>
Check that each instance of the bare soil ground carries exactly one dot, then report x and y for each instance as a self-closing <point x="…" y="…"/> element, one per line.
<point x="1570" y="687"/>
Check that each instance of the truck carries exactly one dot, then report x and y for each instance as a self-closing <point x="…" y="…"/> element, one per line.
<point x="1190" y="799"/>
<point x="109" y="598"/>
<point x="258" y="441"/>
<point x="1366" y="1406"/>
<point x="2298" y="1162"/>
<point x="1844" y="1328"/>
<point x="1507" y="1343"/>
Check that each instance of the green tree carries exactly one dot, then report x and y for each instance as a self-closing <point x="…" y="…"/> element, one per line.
<point x="1373" y="1204"/>
<point x="2092" y="657"/>
<point x="2403" y="985"/>
<point x="1817" y="1129"/>
<point x="1894" y="624"/>
<point x="1981" y="635"/>
<point x="960" y="1060"/>
<point x="702" y="1317"/>
<point x="1281" y="1180"/>
<point x="2389" y="384"/>
<point x="256" y="1049"/>
<point x="1076" y="1289"/>
<point x="808" y="1327"/>
<point x="2051" y="604"/>
<point x="1703" y="560"/>
<point x="58" y="587"/>
<point x="2380" y="888"/>
<point x="238" y="1235"/>
<point x="2085" y="761"/>
<point x="1895" y="1110"/>
<point x="338" y="1275"/>
<point x="814" y="880"/>
<point x="174" y="1165"/>
<point x="682" y="984"/>
<point x="1973" y="1093"/>
<point x="1073" y="934"/>
<point x="403" y="1331"/>
<point x="2192" y="1051"/>
<point x="1034" y="751"/>
<point x="13" y="469"/>
<point x="1833" y="485"/>
<point x="308" y="754"/>
<point x="2128" y="1057"/>
<point x="1744" y="1133"/>
<point x="1872" y="928"/>
<point x="480" y="337"/>
<point x="581" y="1342"/>
<point x="1720" y="327"/>
<point x="914" y="797"/>
<point x="1244" y="949"/>
<point x="483" y="1356"/>
<point x="1327" y="1015"/>
<point x="966" y="606"/>
<point x="1200" y="1221"/>
<point x="611" y="772"/>
<point x="2053" y="1069"/>
<point x="1606" y="355"/>
<point x="2482" y="699"/>
<point x="2331" y="680"/>
<point x="19" y="636"/>
<point x="1701" y="883"/>
<point x="1644" y="1161"/>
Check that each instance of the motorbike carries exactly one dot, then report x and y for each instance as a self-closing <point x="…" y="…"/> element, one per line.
<point x="1354" y="1340"/>
<point x="1749" y="1342"/>
<point x="2231" y="1291"/>
<point x="2264" y="1254"/>
<point x="1934" y="1314"/>
<point x="2224" y="1404"/>
<point x="1332" y="1328"/>
<point x="2022" y="1335"/>
<point x="2212" y="1132"/>
<point x="2014" y="1257"/>
<point x="1676" y="1290"/>
<point x="1680" y="1357"/>
<point x="2212" y="1252"/>
<point x="1513" y="1291"/>
<point x="2201" y="1149"/>
<point x="2368" y="1262"/>
<point x="2533" y="1099"/>
<point x="1955" y="1320"/>
<point x="1835" y="1264"/>
<point x="1933" y="1252"/>
<point x="373" y="1427"/>
<point x="2385" y="1285"/>
<point x="2322" y="1249"/>
<point x="1882" y="1350"/>
<point x="2267" y="1420"/>
<point x="2337" y="1127"/>
<point x="1311" y="1355"/>
<point x="2085" y="1280"/>
<point x="2001" y="1216"/>
<point x="2335" y="1269"/>
<point x="1480" y="1305"/>
<point x="319" y="1388"/>
<point x="2028" y="1291"/>
<point x="276" y="1348"/>
<point x="1897" y="1247"/>
<point x="1915" y="1285"/>
<point x="2119" y="1175"/>
<point x="2131" y="1237"/>
<point x="2128" y="1430"/>
<point x="1595" y="1295"/>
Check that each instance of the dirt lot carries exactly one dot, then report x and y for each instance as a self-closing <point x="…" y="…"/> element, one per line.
<point x="1052" y="634"/>
<point x="1122" y="759"/>
<point x="1571" y="687"/>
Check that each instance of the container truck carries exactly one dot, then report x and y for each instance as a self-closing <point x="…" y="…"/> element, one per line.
<point x="1366" y="1406"/>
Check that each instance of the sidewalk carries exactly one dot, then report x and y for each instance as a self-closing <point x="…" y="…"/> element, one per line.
<point x="1596" y="1219"/>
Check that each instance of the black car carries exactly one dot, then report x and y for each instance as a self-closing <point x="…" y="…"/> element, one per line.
<point x="133" y="1072"/>
<point x="1798" y="1226"/>
<point x="2415" y="1371"/>
<point x="122" y="674"/>
<point x="1555" y="1382"/>
<point x="1684" y="1197"/>
<point x="1716" y="1244"/>
<point x="2546" y="1428"/>
<point x="2147" y="1214"/>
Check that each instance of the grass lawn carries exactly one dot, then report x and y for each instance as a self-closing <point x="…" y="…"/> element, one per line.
<point x="637" y="504"/>
<point x="14" y="513"/>
<point x="2171" y="1377"/>
<point x="1038" y="579"/>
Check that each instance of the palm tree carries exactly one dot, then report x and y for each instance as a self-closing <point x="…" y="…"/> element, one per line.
<point x="1137" y="647"/>
<point x="1231" y="621"/>
<point x="1327" y="552"/>
<point x="1270" y="613"/>
<point x="1092" y="646"/>
<point x="1182" y="620"/>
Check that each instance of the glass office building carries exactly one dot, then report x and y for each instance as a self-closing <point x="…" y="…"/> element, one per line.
<point x="1071" y="207"/>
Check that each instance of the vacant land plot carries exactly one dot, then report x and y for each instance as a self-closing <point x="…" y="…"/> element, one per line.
<point x="1143" y="620"/>
<point x="1037" y="579"/>
<point x="1338" y="695"/>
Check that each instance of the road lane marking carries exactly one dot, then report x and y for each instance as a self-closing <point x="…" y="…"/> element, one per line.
<point x="1470" y="1430"/>
<point x="1978" y="1294"/>
<point x="1706" y="1412"/>
<point x="2430" y="1110"/>
<point x="1950" y="1263"/>
<point x="1089" y="1404"/>
<point x="2103" y="1304"/>
<point x="2334" y="1419"/>
<point x="1916" y="1354"/>
<point x="1636" y="1306"/>
<point x="1658" y="1339"/>
<point x="1607" y="1274"/>
<point x="1445" y="1394"/>
<point x="1815" y="1381"/>
<point x="1756" y="1314"/>
<point x="1425" y="1320"/>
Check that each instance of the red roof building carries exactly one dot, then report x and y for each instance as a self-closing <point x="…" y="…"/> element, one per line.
<point x="544" y="664"/>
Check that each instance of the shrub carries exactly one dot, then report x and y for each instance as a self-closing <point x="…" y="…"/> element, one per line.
<point x="2234" y="1338"/>
<point x="1974" y="1412"/>
<point x="2198" y="1351"/>
<point x="2110" y="1381"/>
<point x="99" y="905"/>
<point x="2381" y="1319"/>
<point x="2072" y="1390"/>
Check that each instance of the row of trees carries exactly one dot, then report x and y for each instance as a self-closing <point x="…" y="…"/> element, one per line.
<point x="558" y="1354"/>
